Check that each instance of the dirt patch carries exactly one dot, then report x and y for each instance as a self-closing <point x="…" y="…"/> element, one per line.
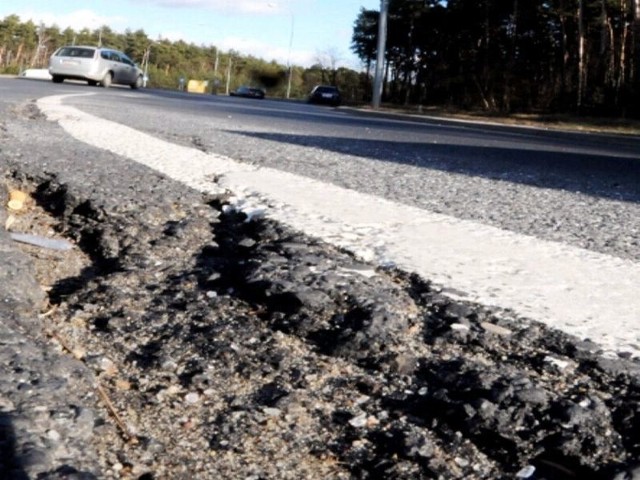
<point x="51" y="265"/>
<point x="241" y="349"/>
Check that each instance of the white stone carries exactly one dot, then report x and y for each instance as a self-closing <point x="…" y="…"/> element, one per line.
<point x="192" y="398"/>
<point x="359" y="421"/>
<point x="460" y="327"/>
<point x="526" y="472"/>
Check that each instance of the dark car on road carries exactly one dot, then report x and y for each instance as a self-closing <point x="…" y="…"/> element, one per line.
<point x="248" y="92"/>
<point x="325" y="95"/>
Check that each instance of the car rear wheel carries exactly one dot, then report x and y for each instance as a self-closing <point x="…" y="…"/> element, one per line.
<point x="57" y="79"/>
<point x="137" y="84"/>
<point x="106" y="80"/>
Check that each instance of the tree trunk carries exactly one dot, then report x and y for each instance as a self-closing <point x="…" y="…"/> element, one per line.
<point x="635" y="54"/>
<point x="607" y="45"/>
<point x="506" y="98"/>
<point x="229" y="68"/>
<point x="564" y="51"/>
<point x="40" y="47"/>
<point x="385" y="81"/>
<point x="582" y="67"/>
<point x="18" y="58"/>
<point x="622" y="61"/>
<point x="486" y="69"/>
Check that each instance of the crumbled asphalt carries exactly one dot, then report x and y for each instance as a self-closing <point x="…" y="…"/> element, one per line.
<point x="229" y="348"/>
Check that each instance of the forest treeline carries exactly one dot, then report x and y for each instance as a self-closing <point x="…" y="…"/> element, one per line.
<point x="553" y="56"/>
<point x="27" y="45"/>
<point x="578" y="56"/>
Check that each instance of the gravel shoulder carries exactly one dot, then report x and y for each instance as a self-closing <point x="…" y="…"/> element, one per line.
<point x="177" y="339"/>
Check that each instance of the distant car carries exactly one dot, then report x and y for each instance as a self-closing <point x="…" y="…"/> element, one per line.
<point x="95" y="65"/>
<point x="325" y="94"/>
<point x="248" y="92"/>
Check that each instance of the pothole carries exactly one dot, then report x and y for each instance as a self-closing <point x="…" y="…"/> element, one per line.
<point x="52" y="267"/>
<point x="236" y="349"/>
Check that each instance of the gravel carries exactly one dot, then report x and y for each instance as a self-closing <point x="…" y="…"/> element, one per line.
<point x="180" y="340"/>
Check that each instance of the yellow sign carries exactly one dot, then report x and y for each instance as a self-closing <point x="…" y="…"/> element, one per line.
<point x="197" y="86"/>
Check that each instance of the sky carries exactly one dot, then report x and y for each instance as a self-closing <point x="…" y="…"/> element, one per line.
<point x="264" y="28"/>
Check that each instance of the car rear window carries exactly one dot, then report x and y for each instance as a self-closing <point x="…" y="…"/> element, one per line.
<point x="326" y="90"/>
<point x="76" y="52"/>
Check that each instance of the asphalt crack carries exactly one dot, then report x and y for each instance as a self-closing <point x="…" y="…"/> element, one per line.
<point x="236" y="347"/>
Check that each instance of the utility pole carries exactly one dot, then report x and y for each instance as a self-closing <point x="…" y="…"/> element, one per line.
<point x="289" y="65"/>
<point x="229" y="67"/>
<point x="145" y="65"/>
<point x="382" y="45"/>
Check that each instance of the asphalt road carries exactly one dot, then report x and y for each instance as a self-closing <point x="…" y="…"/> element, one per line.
<point x="580" y="190"/>
<point x="165" y="272"/>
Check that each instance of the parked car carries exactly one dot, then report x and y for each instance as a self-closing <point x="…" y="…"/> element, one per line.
<point x="325" y="94"/>
<point x="248" y="92"/>
<point x="95" y="65"/>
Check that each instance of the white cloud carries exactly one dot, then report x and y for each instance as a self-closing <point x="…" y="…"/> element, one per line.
<point x="230" y="6"/>
<point x="266" y="51"/>
<point x="77" y="19"/>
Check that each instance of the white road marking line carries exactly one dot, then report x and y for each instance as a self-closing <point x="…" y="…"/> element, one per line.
<point x="588" y="294"/>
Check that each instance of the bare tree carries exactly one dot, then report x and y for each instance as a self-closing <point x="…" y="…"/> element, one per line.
<point x="328" y="60"/>
<point x="40" y="51"/>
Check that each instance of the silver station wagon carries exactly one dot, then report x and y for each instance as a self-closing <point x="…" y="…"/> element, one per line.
<point x="95" y="65"/>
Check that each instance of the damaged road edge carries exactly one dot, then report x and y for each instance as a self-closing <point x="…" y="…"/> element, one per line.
<point x="406" y="382"/>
